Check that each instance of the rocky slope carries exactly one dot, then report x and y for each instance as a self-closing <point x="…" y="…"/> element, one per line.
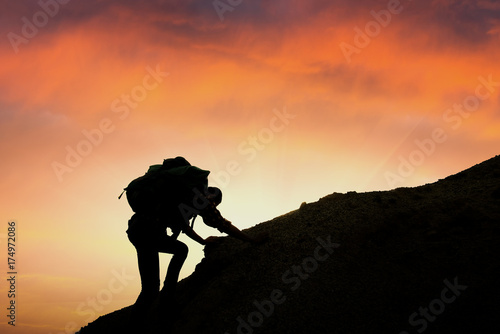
<point x="403" y="261"/>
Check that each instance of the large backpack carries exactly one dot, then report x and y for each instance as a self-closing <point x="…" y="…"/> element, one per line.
<point x="165" y="187"/>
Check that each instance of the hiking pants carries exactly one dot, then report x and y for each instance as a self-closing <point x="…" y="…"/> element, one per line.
<point x="148" y="245"/>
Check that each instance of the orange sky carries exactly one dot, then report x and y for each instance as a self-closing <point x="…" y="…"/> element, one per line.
<point x="268" y="88"/>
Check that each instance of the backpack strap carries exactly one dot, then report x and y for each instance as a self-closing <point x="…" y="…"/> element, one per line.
<point x="122" y="193"/>
<point x="175" y="234"/>
<point x="192" y="222"/>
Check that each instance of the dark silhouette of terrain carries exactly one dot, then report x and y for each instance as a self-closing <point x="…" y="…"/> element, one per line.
<point x="408" y="260"/>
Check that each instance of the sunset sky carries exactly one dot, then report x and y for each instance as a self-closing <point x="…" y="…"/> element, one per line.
<point x="283" y="101"/>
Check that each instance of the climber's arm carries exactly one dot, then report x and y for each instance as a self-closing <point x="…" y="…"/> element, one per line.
<point x="212" y="217"/>
<point x="193" y="235"/>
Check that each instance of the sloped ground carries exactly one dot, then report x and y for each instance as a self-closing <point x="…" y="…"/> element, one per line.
<point x="403" y="261"/>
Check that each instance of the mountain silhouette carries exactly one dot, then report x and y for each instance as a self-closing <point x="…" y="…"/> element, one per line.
<point x="408" y="260"/>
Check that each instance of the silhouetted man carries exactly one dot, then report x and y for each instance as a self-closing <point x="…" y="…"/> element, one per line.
<point x="168" y="196"/>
